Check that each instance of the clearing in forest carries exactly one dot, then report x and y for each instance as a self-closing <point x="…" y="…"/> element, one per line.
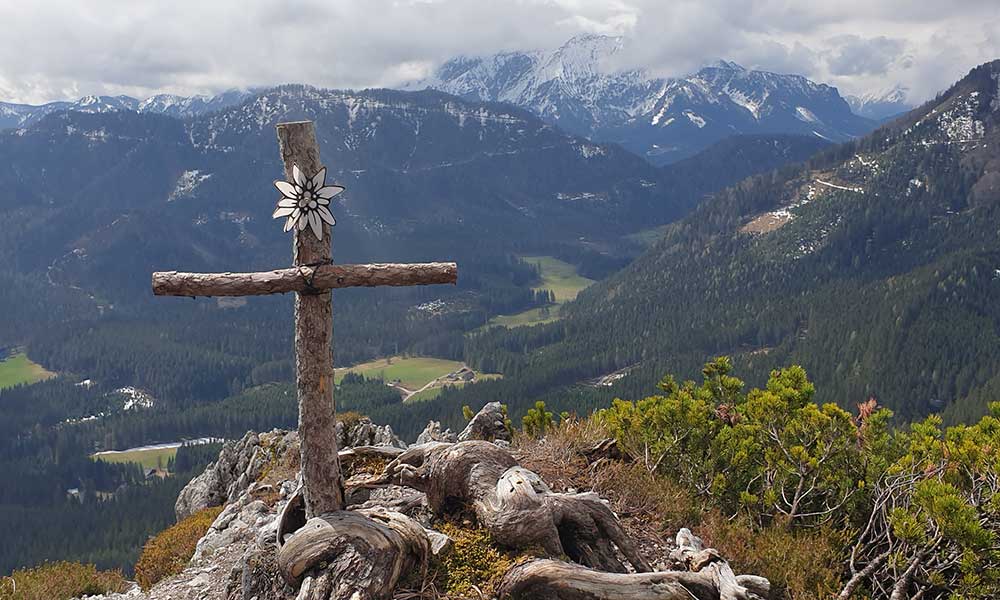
<point x="558" y="276"/>
<point x="416" y="377"/>
<point x="18" y="369"/>
<point x="149" y="458"/>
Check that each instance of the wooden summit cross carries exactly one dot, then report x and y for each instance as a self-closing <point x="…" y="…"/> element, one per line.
<point x="304" y="205"/>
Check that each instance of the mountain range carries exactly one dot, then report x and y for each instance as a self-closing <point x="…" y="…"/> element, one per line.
<point x="875" y="265"/>
<point x="23" y="115"/>
<point x="661" y="119"/>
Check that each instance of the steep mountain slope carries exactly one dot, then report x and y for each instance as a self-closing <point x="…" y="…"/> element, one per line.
<point x="662" y="119"/>
<point x="23" y="115"/>
<point x="876" y="265"/>
<point x="413" y="163"/>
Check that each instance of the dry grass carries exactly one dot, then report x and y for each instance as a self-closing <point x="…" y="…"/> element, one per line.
<point x="804" y="564"/>
<point x="60" y="581"/>
<point x="559" y="456"/>
<point x="169" y="552"/>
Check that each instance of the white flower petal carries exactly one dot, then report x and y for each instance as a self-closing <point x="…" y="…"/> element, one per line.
<point x="326" y="215"/>
<point x="330" y="191"/>
<point x="322" y="201"/>
<point x="287" y="190"/>
<point x="282" y="211"/>
<point x="297" y="175"/>
<point x="288" y="202"/>
<point x="289" y="224"/>
<point x="302" y="221"/>
<point x="319" y="179"/>
<point x="317" y="224"/>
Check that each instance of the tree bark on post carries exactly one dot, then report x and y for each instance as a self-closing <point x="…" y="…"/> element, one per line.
<point x="321" y="477"/>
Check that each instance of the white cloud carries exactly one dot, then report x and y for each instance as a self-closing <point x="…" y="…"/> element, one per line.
<point x="66" y="48"/>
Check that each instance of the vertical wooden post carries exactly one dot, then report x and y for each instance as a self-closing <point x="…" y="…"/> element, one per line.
<point x="321" y="477"/>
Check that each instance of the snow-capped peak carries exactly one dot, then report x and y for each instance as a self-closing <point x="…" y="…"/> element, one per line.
<point x="880" y="104"/>
<point x="575" y="87"/>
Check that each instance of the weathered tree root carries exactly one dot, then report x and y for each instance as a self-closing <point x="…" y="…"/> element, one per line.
<point x="544" y="579"/>
<point x="361" y="554"/>
<point x="514" y="503"/>
<point x="353" y="554"/>
<point x="709" y="578"/>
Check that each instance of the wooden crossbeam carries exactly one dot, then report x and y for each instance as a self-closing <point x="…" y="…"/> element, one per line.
<point x="302" y="279"/>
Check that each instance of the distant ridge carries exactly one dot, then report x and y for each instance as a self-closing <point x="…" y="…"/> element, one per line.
<point x="882" y="105"/>
<point x="664" y="120"/>
<point x="24" y="115"/>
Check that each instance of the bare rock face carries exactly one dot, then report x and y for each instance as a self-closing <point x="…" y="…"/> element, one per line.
<point x="363" y="553"/>
<point x="433" y="433"/>
<point x="240" y="463"/>
<point x="365" y="433"/>
<point x="489" y="424"/>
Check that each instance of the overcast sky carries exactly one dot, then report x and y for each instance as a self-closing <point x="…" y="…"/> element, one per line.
<point x="57" y="49"/>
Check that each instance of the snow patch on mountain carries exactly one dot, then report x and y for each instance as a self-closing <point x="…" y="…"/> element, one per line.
<point x="805" y="114"/>
<point x="186" y="184"/>
<point x="696" y="119"/>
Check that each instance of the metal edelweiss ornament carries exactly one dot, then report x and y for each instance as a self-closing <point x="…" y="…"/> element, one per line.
<point x="306" y="201"/>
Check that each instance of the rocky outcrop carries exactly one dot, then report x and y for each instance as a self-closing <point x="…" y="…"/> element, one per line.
<point x="489" y="424"/>
<point x="433" y="433"/>
<point x="365" y="551"/>
<point x="365" y="433"/>
<point x="241" y="462"/>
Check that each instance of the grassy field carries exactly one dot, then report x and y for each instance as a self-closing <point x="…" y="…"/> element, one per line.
<point x="18" y="369"/>
<point x="648" y="237"/>
<point x="532" y="316"/>
<point x="151" y="459"/>
<point x="434" y="392"/>
<point x="412" y="372"/>
<point x="558" y="276"/>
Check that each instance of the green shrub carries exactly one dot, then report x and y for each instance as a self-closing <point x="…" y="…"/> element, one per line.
<point x="169" y="552"/>
<point x="60" y="581"/>
<point x="538" y="421"/>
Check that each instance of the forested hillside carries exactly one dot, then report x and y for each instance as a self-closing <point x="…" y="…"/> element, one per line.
<point x="104" y="199"/>
<point x="876" y="265"/>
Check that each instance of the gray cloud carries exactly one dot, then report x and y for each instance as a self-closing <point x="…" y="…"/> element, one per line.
<point x="854" y="55"/>
<point x="66" y="48"/>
